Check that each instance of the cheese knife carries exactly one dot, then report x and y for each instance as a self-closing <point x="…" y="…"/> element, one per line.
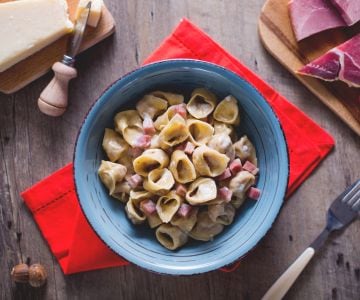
<point x="54" y="98"/>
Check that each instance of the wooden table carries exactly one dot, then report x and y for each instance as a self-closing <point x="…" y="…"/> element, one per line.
<point x="33" y="145"/>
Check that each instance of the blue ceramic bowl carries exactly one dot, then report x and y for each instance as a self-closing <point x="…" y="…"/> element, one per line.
<point x="138" y="244"/>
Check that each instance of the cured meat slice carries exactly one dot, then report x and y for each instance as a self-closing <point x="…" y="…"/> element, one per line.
<point x="348" y="9"/>
<point x="340" y="63"/>
<point x="312" y="16"/>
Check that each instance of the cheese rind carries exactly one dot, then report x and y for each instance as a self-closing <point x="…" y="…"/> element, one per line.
<point x="27" y="26"/>
<point x="95" y="11"/>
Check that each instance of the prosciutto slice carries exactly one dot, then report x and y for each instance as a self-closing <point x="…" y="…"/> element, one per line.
<point x="312" y="16"/>
<point x="340" y="63"/>
<point x="349" y="10"/>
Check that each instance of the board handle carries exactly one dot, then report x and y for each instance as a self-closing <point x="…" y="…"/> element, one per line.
<point x="54" y="98"/>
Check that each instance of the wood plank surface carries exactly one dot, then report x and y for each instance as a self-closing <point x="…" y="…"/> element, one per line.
<point x="36" y="65"/>
<point x="33" y="145"/>
<point x="277" y="36"/>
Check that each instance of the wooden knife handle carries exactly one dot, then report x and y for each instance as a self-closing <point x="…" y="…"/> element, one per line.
<point x="54" y="98"/>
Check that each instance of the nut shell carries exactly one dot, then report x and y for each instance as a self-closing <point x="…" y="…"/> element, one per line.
<point x="37" y="275"/>
<point x="20" y="273"/>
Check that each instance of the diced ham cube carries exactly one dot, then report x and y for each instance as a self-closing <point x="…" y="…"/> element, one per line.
<point x="135" y="180"/>
<point x="225" y="194"/>
<point x="143" y="141"/>
<point x="184" y="210"/>
<point x="148" y="125"/>
<point x="180" y="109"/>
<point x="235" y="166"/>
<point x="135" y="152"/>
<point x="225" y="175"/>
<point x="148" y="207"/>
<point x="189" y="148"/>
<point x="181" y="190"/>
<point x="254" y="193"/>
<point x="248" y="166"/>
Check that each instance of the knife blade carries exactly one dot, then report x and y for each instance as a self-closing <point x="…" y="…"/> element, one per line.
<point x="77" y="36"/>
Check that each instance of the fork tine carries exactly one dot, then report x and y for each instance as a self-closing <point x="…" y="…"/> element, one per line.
<point x="356" y="205"/>
<point x="354" y="197"/>
<point x="349" y="196"/>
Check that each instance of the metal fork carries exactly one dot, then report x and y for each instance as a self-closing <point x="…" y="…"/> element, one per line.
<point x="341" y="213"/>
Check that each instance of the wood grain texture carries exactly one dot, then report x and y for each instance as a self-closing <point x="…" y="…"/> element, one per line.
<point x="33" y="145"/>
<point x="277" y="36"/>
<point x="36" y="65"/>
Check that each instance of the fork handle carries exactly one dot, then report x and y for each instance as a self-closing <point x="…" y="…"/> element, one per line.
<point x="286" y="280"/>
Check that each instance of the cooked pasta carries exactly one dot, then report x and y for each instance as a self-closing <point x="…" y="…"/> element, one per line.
<point x="179" y="167"/>
<point x="227" y="111"/>
<point x="209" y="162"/>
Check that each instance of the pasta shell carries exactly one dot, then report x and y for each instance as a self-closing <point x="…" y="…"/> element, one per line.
<point x="239" y="186"/>
<point x="186" y="224"/>
<point x="111" y="173"/>
<point x="129" y="124"/>
<point x="122" y="191"/>
<point x="222" y="213"/>
<point x="209" y="162"/>
<point x="138" y="196"/>
<point x="245" y="150"/>
<point x="201" y="191"/>
<point x="134" y="213"/>
<point x="199" y="132"/>
<point x="170" y="236"/>
<point x="159" y="181"/>
<point x="227" y="111"/>
<point x="172" y="98"/>
<point x="201" y="103"/>
<point x="223" y="144"/>
<point x="168" y="205"/>
<point x="154" y="220"/>
<point x="155" y="142"/>
<point x="149" y="160"/>
<point x="174" y="132"/>
<point x="113" y="145"/>
<point x="151" y="105"/>
<point x="165" y="118"/>
<point x="205" y="229"/>
<point x="220" y="127"/>
<point x="181" y="167"/>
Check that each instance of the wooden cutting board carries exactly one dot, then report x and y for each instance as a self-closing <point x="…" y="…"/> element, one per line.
<point x="278" y="38"/>
<point x="31" y="68"/>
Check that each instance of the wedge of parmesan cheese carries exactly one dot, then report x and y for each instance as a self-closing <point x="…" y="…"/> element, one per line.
<point x="95" y="11"/>
<point x="26" y="26"/>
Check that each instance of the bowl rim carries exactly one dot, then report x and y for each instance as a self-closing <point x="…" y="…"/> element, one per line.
<point x="161" y="269"/>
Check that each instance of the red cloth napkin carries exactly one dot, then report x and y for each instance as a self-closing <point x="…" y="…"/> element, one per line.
<point x="53" y="200"/>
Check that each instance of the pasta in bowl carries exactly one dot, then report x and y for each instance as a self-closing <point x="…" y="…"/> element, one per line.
<point x="191" y="180"/>
<point x="172" y="184"/>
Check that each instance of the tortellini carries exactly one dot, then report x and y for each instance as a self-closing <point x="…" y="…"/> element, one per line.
<point x="239" y="186"/>
<point x="168" y="205"/>
<point x="222" y="213"/>
<point x="114" y="146"/>
<point x="173" y="164"/>
<point x="172" y="98"/>
<point x="159" y="181"/>
<point x="181" y="167"/>
<point x="129" y="124"/>
<point x="227" y="111"/>
<point x="199" y="132"/>
<point x="171" y="237"/>
<point x="201" y="103"/>
<point x="174" y="132"/>
<point x="201" y="191"/>
<point x="151" y="159"/>
<point x="151" y="105"/>
<point x="205" y="229"/>
<point x="111" y="173"/>
<point x="209" y="162"/>
<point x="245" y="150"/>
